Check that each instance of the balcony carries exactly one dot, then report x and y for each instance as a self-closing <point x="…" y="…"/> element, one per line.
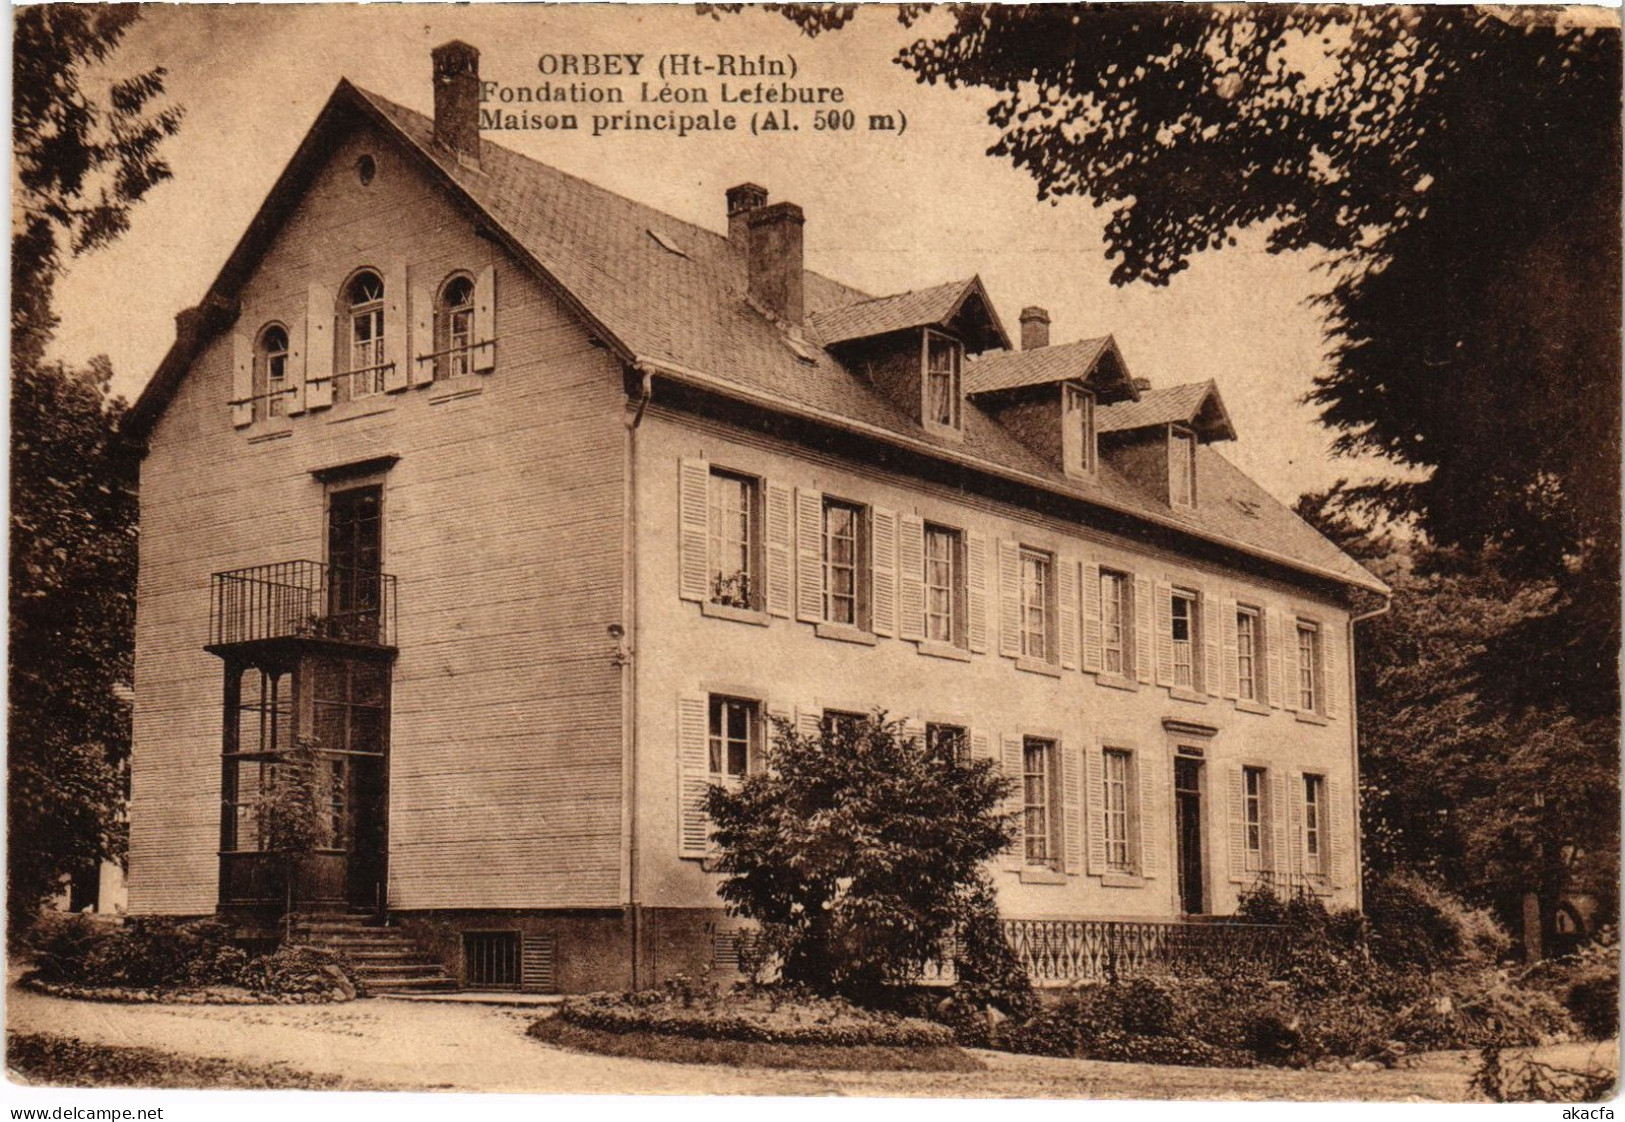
<point x="301" y="600"/>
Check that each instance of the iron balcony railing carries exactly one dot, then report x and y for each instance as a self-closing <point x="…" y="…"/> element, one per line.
<point x="302" y="599"/>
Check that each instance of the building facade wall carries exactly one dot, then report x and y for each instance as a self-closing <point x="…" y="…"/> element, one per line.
<point x="683" y="650"/>
<point x="502" y="524"/>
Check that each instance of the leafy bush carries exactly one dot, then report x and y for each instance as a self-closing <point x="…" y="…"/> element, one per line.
<point x="766" y="1015"/>
<point x="1139" y="1021"/>
<point x="858" y="851"/>
<point x="1594" y="1003"/>
<point x="294" y="969"/>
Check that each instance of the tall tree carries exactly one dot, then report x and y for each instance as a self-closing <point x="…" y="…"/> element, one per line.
<point x="85" y="151"/>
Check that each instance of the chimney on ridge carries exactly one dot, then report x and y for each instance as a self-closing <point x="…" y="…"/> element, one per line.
<point x="457" y="99"/>
<point x="1143" y="385"/>
<point x="775" y="260"/>
<point x="1034" y="328"/>
<point x="742" y="200"/>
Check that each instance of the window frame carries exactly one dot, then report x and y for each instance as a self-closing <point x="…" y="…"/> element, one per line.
<point x="372" y="312"/>
<point x="1311" y="695"/>
<point x="1250" y="687"/>
<point x="1125" y="814"/>
<point x="1181" y="466"/>
<point x="719" y="704"/>
<point x="1124" y="646"/>
<point x="934" y="730"/>
<point x="831" y="719"/>
<point x="956" y="589"/>
<point x="859" y="563"/>
<point x="1047" y="838"/>
<point x="271" y="372"/>
<point x="929" y="375"/>
<point x="751" y="547"/>
<point x="1255" y="818"/>
<point x="453" y="359"/>
<point x="1191" y="643"/>
<point x="1043" y="562"/>
<point x="1314" y="824"/>
<point x="1078" y="408"/>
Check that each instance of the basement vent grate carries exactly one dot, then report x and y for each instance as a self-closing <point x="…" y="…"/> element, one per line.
<point x="539" y="973"/>
<point x="491" y="960"/>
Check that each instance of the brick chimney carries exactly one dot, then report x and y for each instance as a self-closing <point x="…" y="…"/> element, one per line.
<point x="1034" y="328"/>
<point x="742" y="200"/>
<point x="775" y="260"/>
<point x="457" y="99"/>
<point x="1143" y="385"/>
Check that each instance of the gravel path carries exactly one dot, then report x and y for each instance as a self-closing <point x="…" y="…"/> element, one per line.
<point x="426" y="1047"/>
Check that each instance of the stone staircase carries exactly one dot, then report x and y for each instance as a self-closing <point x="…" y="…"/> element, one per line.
<point x="386" y="959"/>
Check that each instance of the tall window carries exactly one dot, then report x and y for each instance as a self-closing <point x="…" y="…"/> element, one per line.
<point x="1247" y="654"/>
<point x="264" y="728"/>
<point x="454" y="329"/>
<point x="366" y="302"/>
<point x="1181" y="468"/>
<point x="273" y="370"/>
<point x="1078" y="414"/>
<point x="843" y="538"/>
<point x="1314" y="818"/>
<point x="1184" y="637"/>
<point x="1113" y="617"/>
<point x="839" y="725"/>
<point x="1308" y="667"/>
<point x="1037" y="580"/>
<point x="734" y="536"/>
<point x="943" y="579"/>
<point x="948" y="741"/>
<point x="1252" y="779"/>
<point x="1037" y="791"/>
<point x="1119" y="851"/>
<point x="733" y="738"/>
<point x="942" y="360"/>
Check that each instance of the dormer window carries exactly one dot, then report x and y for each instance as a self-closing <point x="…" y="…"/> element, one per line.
<point x="1078" y="430"/>
<point x="942" y="358"/>
<point x="1181" y="467"/>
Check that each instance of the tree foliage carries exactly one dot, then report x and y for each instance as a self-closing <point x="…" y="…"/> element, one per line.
<point x="858" y="852"/>
<point x="81" y="159"/>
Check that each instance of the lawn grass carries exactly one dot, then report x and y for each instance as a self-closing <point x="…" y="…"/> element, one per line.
<point x="660" y="1047"/>
<point x="56" y="1061"/>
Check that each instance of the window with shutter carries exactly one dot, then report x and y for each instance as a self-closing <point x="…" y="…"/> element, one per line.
<point x="1237" y="808"/>
<point x="1313" y="816"/>
<point x="1272" y="657"/>
<point x="1308" y="663"/>
<point x="1144" y="630"/>
<point x="319" y="347"/>
<point x="1212" y="652"/>
<point x="976" y="592"/>
<point x="1038" y="801"/>
<point x="846" y="592"/>
<point x="1011" y="762"/>
<point x="883" y="571"/>
<point x="1094" y="620"/>
<point x="943" y="586"/>
<point x="780" y="570"/>
<point x="912" y="576"/>
<point x="1038" y="595"/>
<point x="733" y="541"/>
<point x="485" y="320"/>
<point x="1066" y="610"/>
<point x="1071" y="764"/>
<point x="693" y="825"/>
<point x="1117" y="798"/>
<point x="1096" y="784"/>
<point x="809" y="556"/>
<point x="242" y="380"/>
<point x="693" y="529"/>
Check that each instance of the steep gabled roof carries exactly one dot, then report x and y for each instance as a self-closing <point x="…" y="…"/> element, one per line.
<point x="926" y="307"/>
<point x="1196" y="404"/>
<point x="1009" y="370"/>
<point x="608" y="257"/>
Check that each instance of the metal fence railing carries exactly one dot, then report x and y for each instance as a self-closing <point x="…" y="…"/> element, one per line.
<point x="288" y="599"/>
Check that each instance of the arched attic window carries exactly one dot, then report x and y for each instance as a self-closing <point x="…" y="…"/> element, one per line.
<point x="271" y="370"/>
<point x="454" y="328"/>
<point x="364" y="301"/>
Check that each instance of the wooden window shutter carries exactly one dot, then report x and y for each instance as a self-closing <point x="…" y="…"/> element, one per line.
<point x="318" y="347"/>
<point x="976" y="591"/>
<point x="296" y="364"/>
<point x="1237" y="808"/>
<point x="693" y="529"/>
<point x="809" y="555"/>
<point x="981" y="744"/>
<point x="1277" y="820"/>
<point x="1291" y="694"/>
<point x="809" y="721"/>
<point x="1011" y="759"/>
<point x="1155" y="800"/>
<point x="1210" y="644"/>
<point x="779" y="715"/>
<point x="485" y="320"/>
<point x="1072" y="804"/>
<point x="1067" y="605"/>
<point x="1143" y="629"/>
<point x="914" y="729"/>
<point x="1272" y="656"/>
<point x="1331" y="670"/>
<point x="397" y="351"/>
<point x="423" y="340"/>
<point x="1340" y="827"/>
<point x="1165" y="633"/>
<point x="910" y="577"/>
<point x="1232" y="653"/>
<point x="242" y="379"/>
<point x="1294" y="823"/>
<point x="780" y="571"/>
<point x="1009" y="599"/>
<point x="883" y="570"/>
<point x="1095" y="763"/>
<point x="693" y="826"/>
<point x="1090" y="603"/>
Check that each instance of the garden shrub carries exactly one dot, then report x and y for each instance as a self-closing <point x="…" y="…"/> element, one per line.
<point x="295" y="969"/>
<point x="754" y="1016"/>
<point x="1594" y="1003"/>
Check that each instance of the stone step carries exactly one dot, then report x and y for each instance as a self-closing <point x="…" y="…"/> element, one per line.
<point x="412" y="985"/>
<point x="399" y="969"/>
<point x="397" y="957"/>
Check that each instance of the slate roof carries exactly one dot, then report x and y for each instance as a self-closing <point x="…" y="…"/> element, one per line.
<point x="1008" y="370"/>
<point x="608" y="255"/>
<point x="881" y="315"/>
<point x="1182" y="405"/>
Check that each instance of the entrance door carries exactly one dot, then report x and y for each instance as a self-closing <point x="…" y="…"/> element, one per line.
<point x="351" y="722"/>
<point x="1188" y="833"/>
<point x="354" y="557"/>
